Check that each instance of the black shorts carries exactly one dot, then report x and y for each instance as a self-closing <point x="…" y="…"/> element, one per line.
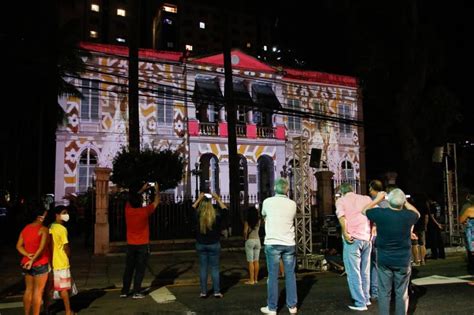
<point x="421" y="238"/>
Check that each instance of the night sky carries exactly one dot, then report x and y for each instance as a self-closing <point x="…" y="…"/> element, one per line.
<point x="411" y="58"/>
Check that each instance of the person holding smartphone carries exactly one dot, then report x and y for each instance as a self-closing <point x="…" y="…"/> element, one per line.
<point x="138" y="240"/>
<point x="209" y="222"/>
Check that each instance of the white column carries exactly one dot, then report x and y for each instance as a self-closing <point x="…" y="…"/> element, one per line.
<point x="59" y="170"/>
<point x="222" y="114"/>
<point x="250" y="116"/>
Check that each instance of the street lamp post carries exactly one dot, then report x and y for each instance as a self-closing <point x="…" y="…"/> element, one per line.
<point x="196" y="172"/>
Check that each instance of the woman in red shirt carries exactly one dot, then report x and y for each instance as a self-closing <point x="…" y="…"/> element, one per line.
<point x="35" y="261"/>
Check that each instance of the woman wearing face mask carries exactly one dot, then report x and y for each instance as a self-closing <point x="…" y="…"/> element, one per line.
<point x="61" y="254"/>
<point x="32" y="244"/>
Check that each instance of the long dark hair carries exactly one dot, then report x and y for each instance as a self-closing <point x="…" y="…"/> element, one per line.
<point x="252" y="217"/>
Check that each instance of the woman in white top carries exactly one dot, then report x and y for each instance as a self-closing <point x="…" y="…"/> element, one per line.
<point x="252" y="243"/>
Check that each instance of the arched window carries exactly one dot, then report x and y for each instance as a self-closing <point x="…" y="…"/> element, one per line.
<point x="347" y="171"/>
<point x="266" y="177"/>
<point x="243" y="178"/>
<point x="210" y="173"/>
<point x="87" y="164"/>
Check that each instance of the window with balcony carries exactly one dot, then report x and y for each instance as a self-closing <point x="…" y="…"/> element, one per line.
<point x="294" y="122"/>
<point x="90" y="100"/>
<point x="208" y="99"/>
<point x="164" y="105"/>
<point x="87" y="164"/>
<point x="265" y="102"/>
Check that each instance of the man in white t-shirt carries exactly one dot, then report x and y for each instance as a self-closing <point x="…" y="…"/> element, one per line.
<point x="279" y="214"/>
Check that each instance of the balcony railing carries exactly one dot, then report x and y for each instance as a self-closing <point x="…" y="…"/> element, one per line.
<point x="241" y="130"/>
<point x="265" y="132"/>
<point x="208" y="129"/>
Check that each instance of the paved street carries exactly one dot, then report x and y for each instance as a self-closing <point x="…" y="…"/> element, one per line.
<point x="441" y="289"/>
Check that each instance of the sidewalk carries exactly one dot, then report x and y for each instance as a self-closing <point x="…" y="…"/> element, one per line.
<point x="179" y="267"/>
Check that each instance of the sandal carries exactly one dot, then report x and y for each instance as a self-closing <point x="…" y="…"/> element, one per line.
<point x="249" y="282"/>
<point x="218" y="295"/>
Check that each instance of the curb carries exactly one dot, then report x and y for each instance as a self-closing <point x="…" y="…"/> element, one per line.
<point x="184" y="251"/>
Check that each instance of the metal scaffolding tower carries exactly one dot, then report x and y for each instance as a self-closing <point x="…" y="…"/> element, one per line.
<point x="302" y="195"/>
<point x="453" y="227"/>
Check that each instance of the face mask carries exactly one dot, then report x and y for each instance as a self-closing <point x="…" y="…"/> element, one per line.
<point x="65" y="217"/>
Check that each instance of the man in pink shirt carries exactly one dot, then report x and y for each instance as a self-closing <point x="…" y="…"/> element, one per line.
<point x="357" y="246"/>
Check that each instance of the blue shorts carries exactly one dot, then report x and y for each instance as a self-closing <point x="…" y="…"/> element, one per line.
<point x="37" y="270"/>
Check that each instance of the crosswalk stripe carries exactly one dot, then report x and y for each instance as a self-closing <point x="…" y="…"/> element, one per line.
<point x="435" y="279"/>
<point x="163" y="295"/>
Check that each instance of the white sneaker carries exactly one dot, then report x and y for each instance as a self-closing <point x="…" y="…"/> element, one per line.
<point x="369" y="303"/>
<point x="358" y="308"/>
<point x="293" y="310"/>
<point x="265" y="310"/>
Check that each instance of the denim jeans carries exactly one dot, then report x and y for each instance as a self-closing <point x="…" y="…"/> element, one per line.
<point x="400" y="278"/>
<point x="373" y="271"/>
<point x="137" y="257"/>
<point x="209" y="257"/>
<point x="273" y="255"/>
<point x="357" y="265"/>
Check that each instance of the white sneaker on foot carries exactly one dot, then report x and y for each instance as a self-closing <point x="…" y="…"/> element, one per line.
<point x="265" y="310"/>
<point x="293" y="310"/>
<point x="358" y="308"/>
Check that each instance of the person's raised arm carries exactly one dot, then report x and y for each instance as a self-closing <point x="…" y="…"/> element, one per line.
<point x="219" y="201"/>
<point x="411" y="207"/>
<point x="144" y="187"/>
<point x="380" y="196"/>
<point x="157" y="199"/>
<point x="198" y="200"/>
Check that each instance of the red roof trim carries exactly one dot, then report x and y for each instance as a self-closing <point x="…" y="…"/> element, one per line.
<point x="123" y="51"/>
<point x="248" y="63"/>
<point x="320" y="77"/>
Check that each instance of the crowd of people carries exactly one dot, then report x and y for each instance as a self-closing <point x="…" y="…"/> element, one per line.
<point x="383" y="235"/>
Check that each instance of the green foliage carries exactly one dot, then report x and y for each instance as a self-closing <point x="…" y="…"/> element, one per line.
<point x="131" y="169"/>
